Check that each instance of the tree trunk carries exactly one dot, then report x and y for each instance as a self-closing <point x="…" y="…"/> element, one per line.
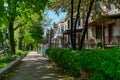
<point x="50" y="37"/>
<point x="72" y="45"/>
<point x="78" y="13"/>
<point x="86" y="26"/>
<point x="20" y="38"/>
<point x="11" y="36"/>
<point x="20" y="44"/>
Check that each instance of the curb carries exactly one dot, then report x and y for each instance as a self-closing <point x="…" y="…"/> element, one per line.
<point x="10" y="66"/>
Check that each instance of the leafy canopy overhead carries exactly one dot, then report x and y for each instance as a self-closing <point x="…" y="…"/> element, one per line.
<point x="64" y="6"/>
<point x="14" y="8"/>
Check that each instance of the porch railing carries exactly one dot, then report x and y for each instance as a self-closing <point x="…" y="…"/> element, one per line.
<point x="85" y="46"/>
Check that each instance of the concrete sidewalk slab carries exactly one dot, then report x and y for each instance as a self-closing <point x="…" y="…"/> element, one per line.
<point x="35" y="67"/>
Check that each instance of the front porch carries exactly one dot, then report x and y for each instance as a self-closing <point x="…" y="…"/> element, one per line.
<point x="105" y="33"/>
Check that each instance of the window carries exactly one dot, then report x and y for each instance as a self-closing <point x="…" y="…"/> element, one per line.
<point x="65" y="28"/>
<point x="62" y="29"/>
<point x="68" y="24"/>
<point x="78" y="22"/>
<point x="59" y="30"/>
<point x="98" y="32"/>
<point x="74" y="19"/>
<point x="112" y="6"/>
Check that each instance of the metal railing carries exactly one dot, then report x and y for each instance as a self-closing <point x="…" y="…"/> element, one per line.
<point x="85" y="46"/>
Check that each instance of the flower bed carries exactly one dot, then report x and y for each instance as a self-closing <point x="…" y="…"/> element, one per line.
<point x="100" y="64"/>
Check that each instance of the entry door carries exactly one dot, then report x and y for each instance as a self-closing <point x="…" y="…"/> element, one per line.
<point x="110" y="32"/>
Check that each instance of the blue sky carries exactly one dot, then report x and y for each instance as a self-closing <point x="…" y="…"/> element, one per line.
<point x="56" y="18"/>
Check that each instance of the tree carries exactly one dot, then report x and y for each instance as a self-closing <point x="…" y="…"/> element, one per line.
<point x="77" y="16"/>
<point x="86" y="25"/>
<point x="32" y="25"/>
<point x="66" y="6"/>
<point x="10" y="9"/>
<point x="75" y="7"/>
<point x="27" y="40"/>
<point x="96" y="12"/>
<point x="37" y="34"/>
<point x="72" y="41"/>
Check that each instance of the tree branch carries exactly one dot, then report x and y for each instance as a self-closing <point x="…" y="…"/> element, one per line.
<point x="77" y="16"/>
<point x="17" y="27"/>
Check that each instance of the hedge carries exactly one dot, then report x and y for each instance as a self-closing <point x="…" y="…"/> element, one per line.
<point x="104" y="64"/>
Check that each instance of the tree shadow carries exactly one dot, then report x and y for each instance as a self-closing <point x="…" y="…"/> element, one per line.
<point x="35" y="67"/>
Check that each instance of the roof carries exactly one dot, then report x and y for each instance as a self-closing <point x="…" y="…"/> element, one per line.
<point x="103" y="18"/>
<point x="113" y="16"/>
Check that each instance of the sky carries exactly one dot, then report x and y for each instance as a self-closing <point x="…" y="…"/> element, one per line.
<point x="55" y="18"/>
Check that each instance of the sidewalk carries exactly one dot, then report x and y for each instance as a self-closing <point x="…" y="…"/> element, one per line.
<point x="35" y="67"/>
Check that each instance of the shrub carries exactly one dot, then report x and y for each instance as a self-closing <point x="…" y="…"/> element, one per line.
<point x="20" y="53"/>
<point x="104" y="64"/>
<point x="4" y="60"/>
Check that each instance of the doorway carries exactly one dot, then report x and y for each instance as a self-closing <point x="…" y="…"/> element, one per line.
<point x="110" y="32"/>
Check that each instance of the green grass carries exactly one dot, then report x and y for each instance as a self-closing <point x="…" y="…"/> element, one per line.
<point x="5" y="59"/>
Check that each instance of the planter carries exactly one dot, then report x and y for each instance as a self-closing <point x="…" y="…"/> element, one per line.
<point x="10" y="66"/>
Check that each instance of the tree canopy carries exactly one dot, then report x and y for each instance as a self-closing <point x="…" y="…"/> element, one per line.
<point x="84" y="9"/>
<point x="64" y="6"/>
<point x="11" y="9"/>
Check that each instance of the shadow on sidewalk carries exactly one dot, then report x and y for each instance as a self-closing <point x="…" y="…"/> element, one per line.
<point x="34" y="67"/>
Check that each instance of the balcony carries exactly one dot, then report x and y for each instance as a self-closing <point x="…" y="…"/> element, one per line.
<point x="69" y="31"/>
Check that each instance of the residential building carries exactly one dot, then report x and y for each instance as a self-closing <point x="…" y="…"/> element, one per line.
<point x="106" y="31"/>
<point x="67" y="31"/>
<point x="102" y="32"/>
<point x="58" y="30"/>
<point x="62" y="30"/>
